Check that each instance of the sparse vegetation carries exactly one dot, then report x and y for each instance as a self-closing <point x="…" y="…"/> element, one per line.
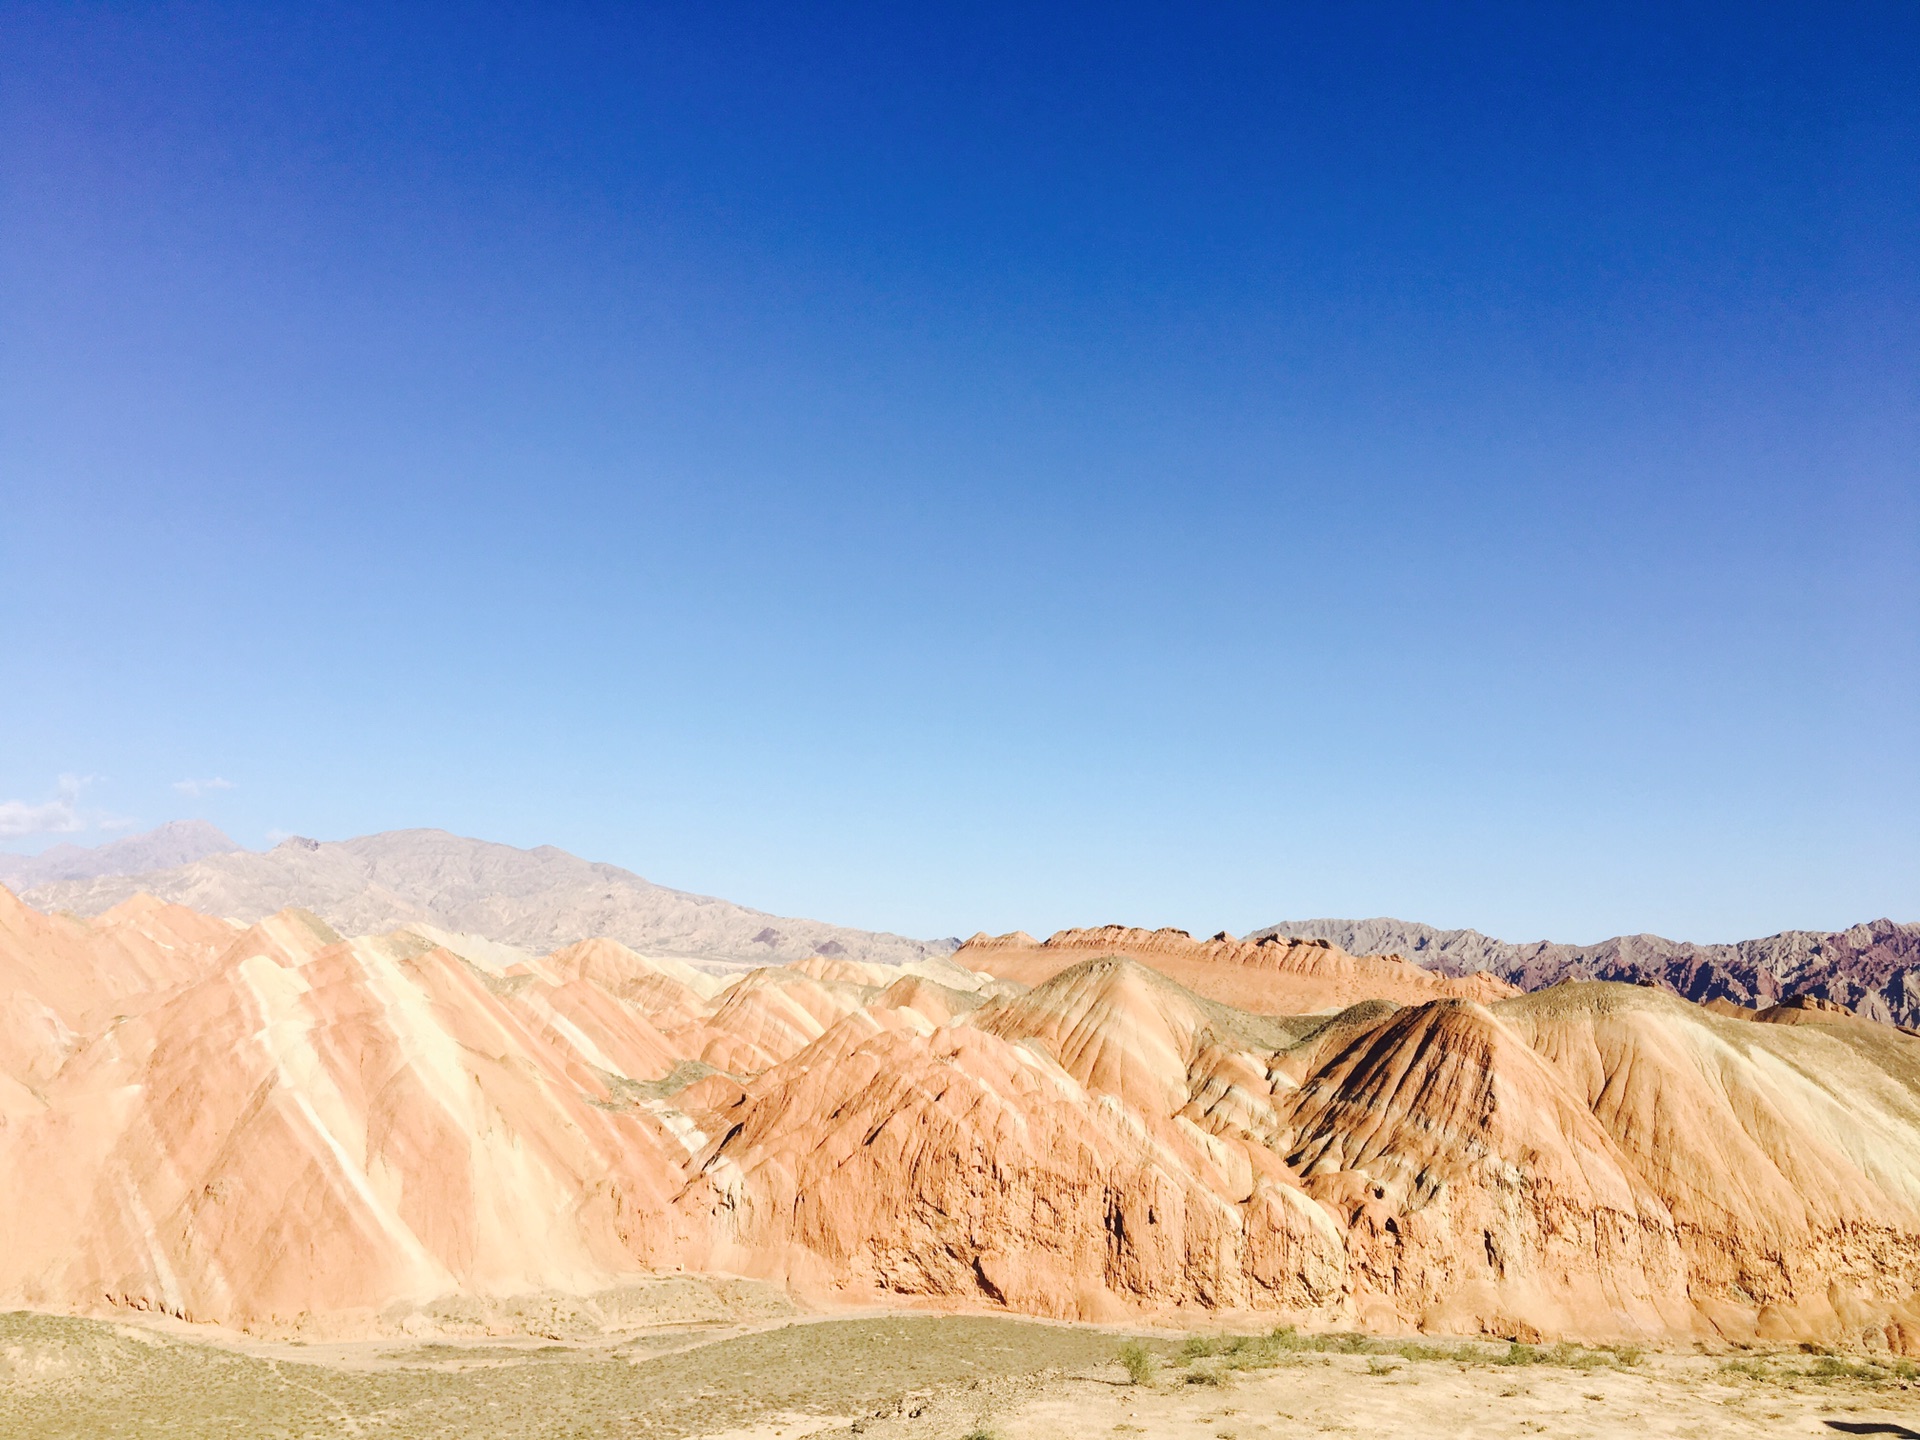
<point x="1825" y="1369"/>
<point x="62" y="1377"/>
<point x="1874" y="1370"/>
<point x="1283" y="1346"/>
<point x="1831" y="1367"/>
<point x="1137" y="1361"/>
<point x="1464" y="1353"/>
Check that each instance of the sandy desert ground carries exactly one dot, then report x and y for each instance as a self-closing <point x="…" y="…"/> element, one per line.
<point x="940" y="1377"/>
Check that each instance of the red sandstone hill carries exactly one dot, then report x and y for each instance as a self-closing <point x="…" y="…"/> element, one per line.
<point x="278" y="1126"/>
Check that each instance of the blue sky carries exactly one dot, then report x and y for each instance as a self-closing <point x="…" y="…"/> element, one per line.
<point x="943" y="468"/>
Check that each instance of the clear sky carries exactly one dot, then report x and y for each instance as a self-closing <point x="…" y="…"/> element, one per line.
<point x="956" y="467"/>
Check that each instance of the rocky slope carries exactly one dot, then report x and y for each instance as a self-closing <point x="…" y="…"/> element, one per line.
<point x="1271" y="975"/>
<point x="1873" y="968"/>
<point x="539" y="899"/>
<point x="283" y="1128"/>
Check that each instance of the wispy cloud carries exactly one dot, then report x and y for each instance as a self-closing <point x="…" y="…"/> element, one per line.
<point x="58" y="816"/>
<point x="202" y="787"/>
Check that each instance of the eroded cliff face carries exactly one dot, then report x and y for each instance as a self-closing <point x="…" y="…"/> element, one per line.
<point x="901" y="1154"/>
<point x="254" y="1126"/>
<point x="321" y="1125"/>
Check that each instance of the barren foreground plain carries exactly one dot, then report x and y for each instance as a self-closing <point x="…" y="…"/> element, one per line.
<point x="941" y="1377"/>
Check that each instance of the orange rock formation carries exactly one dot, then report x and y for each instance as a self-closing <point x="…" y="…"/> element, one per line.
<point x="1274" y="976"/>
<point x="264" y="1125"/>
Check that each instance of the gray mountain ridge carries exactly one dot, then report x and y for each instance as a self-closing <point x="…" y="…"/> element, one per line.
<point x="1872" y="968"/>
<point x="538" y="899"/>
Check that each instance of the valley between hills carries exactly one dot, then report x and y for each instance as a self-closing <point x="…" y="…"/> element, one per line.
<point x="260" y="1131"/>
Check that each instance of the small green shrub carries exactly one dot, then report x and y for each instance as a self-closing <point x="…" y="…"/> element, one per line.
<point x="1137" y="1361"/>
<point x="1831" y="1367"/>
<point x="1284" y="1343"/>
<point x="1464" y="1354"/>
<point x="1577" y="1357"/>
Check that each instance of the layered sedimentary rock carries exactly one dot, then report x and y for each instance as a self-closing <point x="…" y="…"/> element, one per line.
<point x="320" y="1125"/>
<point x="1872" y="969"/>
<point x="1273" y="975"/>
<point x="261" y="1125"/>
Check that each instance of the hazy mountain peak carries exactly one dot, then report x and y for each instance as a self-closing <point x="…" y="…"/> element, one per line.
<point x="176" y="843"/>
<point x="538" y="899"/>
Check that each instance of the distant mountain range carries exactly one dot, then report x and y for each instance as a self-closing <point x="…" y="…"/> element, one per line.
<point x="179" y="842"/>
<point x="538" y="899"/>
<point x="1873" y="969"/>
<point x="545" y="898"/>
